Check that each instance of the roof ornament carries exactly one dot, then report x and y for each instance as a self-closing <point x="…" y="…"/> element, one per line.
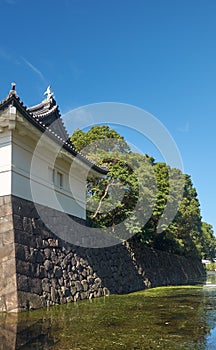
<point x="49" y="93"/>
<point x="12" y="91"/>
<point x="13" y="86"/>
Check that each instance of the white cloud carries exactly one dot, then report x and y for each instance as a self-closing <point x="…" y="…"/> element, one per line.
<point x="33" y="68"/>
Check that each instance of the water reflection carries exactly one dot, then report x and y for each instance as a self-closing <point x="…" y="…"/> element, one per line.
<point x="164" y="318"/>
<point x="27" y="334"/>
<point x="211" y="280"/>
<point x="210" y="296"/>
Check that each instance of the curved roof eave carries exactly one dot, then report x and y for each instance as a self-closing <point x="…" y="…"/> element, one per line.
<point x="27" y="113"/>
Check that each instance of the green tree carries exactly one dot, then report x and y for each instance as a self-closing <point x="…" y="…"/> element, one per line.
<point x="170" y="183"/>
<point x="130" y="181"/>
<point x="99" y="140"/>
<point x="155" y="203"/>
<point x="184" y="234"/>
<point x="189" y="220"/>
<point x="208" y="244"/>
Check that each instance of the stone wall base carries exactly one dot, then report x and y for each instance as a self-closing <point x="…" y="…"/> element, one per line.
<point x="38" y="268"/>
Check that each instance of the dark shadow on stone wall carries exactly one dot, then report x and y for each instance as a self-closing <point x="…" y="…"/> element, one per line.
<point x="51" y="271"/>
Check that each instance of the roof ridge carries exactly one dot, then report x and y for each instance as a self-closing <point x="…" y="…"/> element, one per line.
<point x="41" y="113"/>
<point x="39" y="122"/>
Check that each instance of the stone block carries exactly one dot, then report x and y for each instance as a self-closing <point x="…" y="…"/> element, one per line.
<point x="20" y="251"/>
<point x="23" y="238"/>
<point x="90" y="279"/>
<point x="53" y="242"/>
<point x="35" y="286"/>
<point x="39" y="257"/>
<point x="7" y="253"/>
<point x="85" y="285"/>
<point x="47" y="253"/>
<point x="5" y="209"/>
<point x="30" y="301"/>
<point x="83" y="295"/>
<point x="23" y="283"/>
<point x="11" y="301"/>
<point x="61" y="281"/>
<point x="46" y="285"/>
<point x="1" y="203"/>
<point x="78" y="286"/>
<point x="77" y="296"/>
<point x="6" y="224"/>
<point x="27" y="225"/>
<point x="73" y="290"/>
<point x="54" y="295"/>
<point x="39" y="242"/>
<point x="23" y="267"/>
<point x="7" y="237"/>
<point x="48" y="265"/>
<point x="18" y="222"/>
<point x="6" y="199"/>
<point x="58" y="272"/>
<point x="9" y="283"/>
<point x="106" y="291"/>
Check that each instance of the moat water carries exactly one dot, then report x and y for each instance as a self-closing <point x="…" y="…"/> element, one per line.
<point x="166" y="318"/>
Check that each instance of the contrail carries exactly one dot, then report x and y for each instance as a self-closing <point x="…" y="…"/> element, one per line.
<point x="37" y="71"/>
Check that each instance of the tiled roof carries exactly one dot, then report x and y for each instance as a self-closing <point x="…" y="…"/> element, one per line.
<point x="48" y="112"/>
<point x="47" y="118"/>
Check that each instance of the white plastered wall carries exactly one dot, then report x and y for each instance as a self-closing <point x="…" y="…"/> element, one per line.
<point x="5" y="163"/>
<point x="25" y="168"/>
<point x="31" y="176"/>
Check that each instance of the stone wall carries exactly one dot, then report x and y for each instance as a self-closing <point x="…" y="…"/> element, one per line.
<point x="8" y="281"/>
<point x="46" y="270"/>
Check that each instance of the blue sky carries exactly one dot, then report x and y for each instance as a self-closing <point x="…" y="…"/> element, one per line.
<point x="158" y="55"/>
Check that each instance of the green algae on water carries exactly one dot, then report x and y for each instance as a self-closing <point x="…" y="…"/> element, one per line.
<point x="160" y="318"/>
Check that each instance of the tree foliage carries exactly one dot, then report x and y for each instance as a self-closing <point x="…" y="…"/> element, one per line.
<point x="138" y="195"/>
<point x="208" y="243"/>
